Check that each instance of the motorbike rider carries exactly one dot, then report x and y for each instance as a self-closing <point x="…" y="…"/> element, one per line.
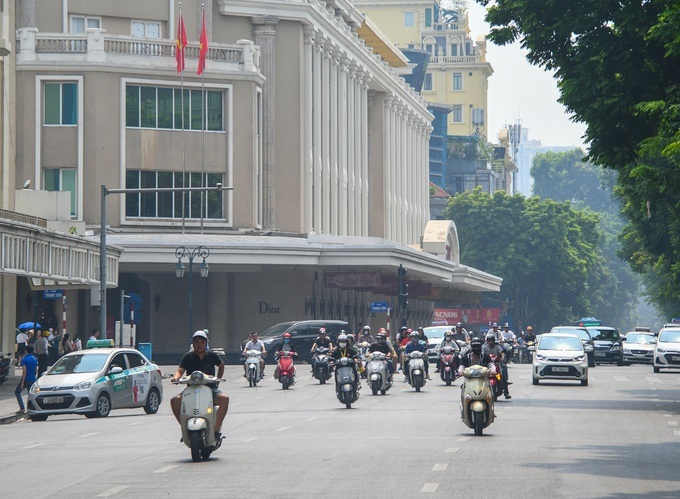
<point x="203" y="360"/>
<point x="321" y="341"/>
<point x="508" y="334"/>
<point x="492" y="348"/>
<point x="365" y="336"/>
<point x="414" y="345"/>
<point x="254" y="344"/>
<point x="460" y="333"/>
<point x="421" y="334"/>
<point x="448" y="341"/>
<point x="286" y="346"/>
<point x="529" y="335"/>
<point x="381" y="345"/>
<point x="344" y="349"/>
<point x="495" y="332"/>
<point x="475" y="357"/>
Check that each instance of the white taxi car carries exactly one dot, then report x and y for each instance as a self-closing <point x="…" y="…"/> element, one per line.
<point x="560" y="356"/>
<point x="96" y="380"/>
<point x="667" y="349"/>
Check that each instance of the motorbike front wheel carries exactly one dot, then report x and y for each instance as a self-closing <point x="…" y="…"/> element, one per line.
<point x="195" y="440"/>
<point x="479" y="425"/>
<point x="285" y="381"/>
<point x="375" y="386"/>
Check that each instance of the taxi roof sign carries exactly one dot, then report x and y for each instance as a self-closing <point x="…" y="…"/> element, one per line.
<point x="108" y="343"/>
<point x="588" y="322"/>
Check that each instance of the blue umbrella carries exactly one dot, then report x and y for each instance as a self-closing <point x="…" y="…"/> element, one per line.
<point x="28" y="325"/>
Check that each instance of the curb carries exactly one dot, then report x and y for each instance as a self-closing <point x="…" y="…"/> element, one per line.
<point x="11" y="418"/>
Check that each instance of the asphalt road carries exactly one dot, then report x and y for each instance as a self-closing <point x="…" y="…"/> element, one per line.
<point x="619" y="437"/>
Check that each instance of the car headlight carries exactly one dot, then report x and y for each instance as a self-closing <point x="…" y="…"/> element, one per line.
<point x="626" y="350"/>
<point x="661" y="349"/>
<point x="615" y="348"/>
<point x="540" y="357"/>
<point x="579" y="358"/>
<point x="589" y="348"/>
<point x="85" y="385"/>
<point x="34" y="388"/>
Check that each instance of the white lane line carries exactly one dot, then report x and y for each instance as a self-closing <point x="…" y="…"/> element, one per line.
<point x="283" y="428"/>
<point x="440" y="467"/>
<point x="88" y="434"/>
<point x="676" y="433"/>
<point x="430" y="487"/>
<point x="312" y="419"/>
<point x="464" y="439"/>
<point x="112" y="491"/>
<point x="259" y="398"/>
<point x="452" y="450"/>
<point x="672" y="423"/>
<point x="652" y="380"/>
<point x="135" y="423"/>
<point x="667" y="415"/>
<point x="251" y="439"/>
<point x="167" y="468"/>
<point x="32" y="446"/>
<point x="620" y="378"/>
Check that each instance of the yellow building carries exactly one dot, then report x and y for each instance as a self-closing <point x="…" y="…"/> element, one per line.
<point x="457" y="72"/>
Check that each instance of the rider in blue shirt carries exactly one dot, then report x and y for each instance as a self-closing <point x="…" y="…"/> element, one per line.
<point x="414" y="345"/>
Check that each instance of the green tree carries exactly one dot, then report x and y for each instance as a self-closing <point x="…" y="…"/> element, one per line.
<point x="618" y="70"/>
<point x="545" y="252"/>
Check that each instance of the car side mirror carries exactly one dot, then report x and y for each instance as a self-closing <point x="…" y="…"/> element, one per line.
<point x="653" y="342"/>
<point x="116" y="370"/>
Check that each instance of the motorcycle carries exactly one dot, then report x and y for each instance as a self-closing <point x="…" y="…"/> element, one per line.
<point x="253" y="371"/>
<point x="285" y="368"/>
<point x="321" y="369"/>
<point x="531" y="349"/>
<point x="416" y="368"/>
<point x="197" y="415"/>
<point x="363" y="353"/>
<point x="5" y="364"/>
<point x="448" y="362"/>
<point x="346" y="382"/>
<point x="496" y="377"/>
<point x="378" y="373"/>
<point x="476" y="399"/>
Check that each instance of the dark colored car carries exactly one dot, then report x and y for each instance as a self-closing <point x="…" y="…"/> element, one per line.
<point x="586" y="339"/>
<point x="607" y="342"/>
<point x="303" y="334"/>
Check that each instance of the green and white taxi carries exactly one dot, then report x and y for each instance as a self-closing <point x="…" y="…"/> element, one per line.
<point x="96" y="380"/>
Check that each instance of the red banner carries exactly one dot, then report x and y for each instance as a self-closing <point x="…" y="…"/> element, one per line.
<point x="466" y="315"/>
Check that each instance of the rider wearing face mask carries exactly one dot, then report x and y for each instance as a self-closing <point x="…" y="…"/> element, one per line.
<point x="475" y="357"/>
<point x="344" y="349"/>
<point x="414" y="345"/>
<point x="286" y="345"/>
<point x="381" y="345"/>
<point x="448" y="341"/>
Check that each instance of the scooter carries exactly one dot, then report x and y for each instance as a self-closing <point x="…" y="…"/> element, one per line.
<point x="285" y="368"/>
<point x="346" y="382"/>
<point x="476" y="399"/>
<point x="363" y="353"/>
<point x="197" y="415"/>
<point x="253" y="372"/>
<point x="496" y="378"/>
<point x="321" y="369"/>
<point x="5" y="364"/>
<point x="378" y="373"/>
<point x="416" y="368"/>
<point x="531" y="349"/>
<point x="448" y="362"/>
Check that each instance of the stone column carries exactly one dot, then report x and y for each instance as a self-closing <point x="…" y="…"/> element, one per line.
<point x="326" y="138"/>
<point x="308" y="153"/>
<point x="387" y="169"/>
<point x="336" y="124"/>
<point x="363" y="135"/>
<point x="343" y="172"/>
<point x="316" y="134"/>
<point x="26" y="14"/>
<point x="353" y="190"/>
<point x="264" y="31"/>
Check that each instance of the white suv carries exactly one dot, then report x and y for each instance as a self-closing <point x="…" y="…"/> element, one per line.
<point x="667" y="350"/>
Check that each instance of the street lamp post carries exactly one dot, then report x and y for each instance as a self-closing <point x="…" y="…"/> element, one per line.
<point x="190" y="254"/>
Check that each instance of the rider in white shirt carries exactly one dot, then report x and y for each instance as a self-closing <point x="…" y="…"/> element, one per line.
<point x="255" y="344"/>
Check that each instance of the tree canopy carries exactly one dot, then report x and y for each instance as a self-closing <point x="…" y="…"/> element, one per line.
<point x="617" y="64"/>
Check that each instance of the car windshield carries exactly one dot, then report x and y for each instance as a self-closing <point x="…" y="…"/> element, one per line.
<point x="276" y="330"/>
<point x="581" y="333"/>
<point x="565" y="343"/>
<point x="644" y="339"/>
<point x="436" y="333"/>
<point x="603" y="334"/>
<point x="80" y="363"/>
<point x="670" y="336"/>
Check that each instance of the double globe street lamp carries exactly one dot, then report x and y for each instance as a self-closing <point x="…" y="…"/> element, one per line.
<point x="181" y="253"/>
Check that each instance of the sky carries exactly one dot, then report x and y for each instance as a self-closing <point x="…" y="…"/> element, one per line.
<point x="521" y="91"/>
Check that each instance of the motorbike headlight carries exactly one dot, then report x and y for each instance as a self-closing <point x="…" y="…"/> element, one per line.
<point x="85" y="385"/>
<point x="197" y="377"/>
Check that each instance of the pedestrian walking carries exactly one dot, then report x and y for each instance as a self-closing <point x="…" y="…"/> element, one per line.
<point x="42" y="351"/>
<point x="28" y="376"/>
<point x="22" y="341"/>
<point x="66" y="345"/>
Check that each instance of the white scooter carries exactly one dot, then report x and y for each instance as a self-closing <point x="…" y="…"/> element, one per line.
<point x="197" y="415"/>
<point x="476" y="399"/>
<point x="378" y="373"/>
<point x="253" y="371"/>
<point x="416" y="368"/>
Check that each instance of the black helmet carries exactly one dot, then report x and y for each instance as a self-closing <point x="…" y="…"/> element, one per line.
<point x="475" y="341"/>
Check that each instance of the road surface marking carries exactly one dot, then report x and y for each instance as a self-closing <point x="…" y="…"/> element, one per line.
<point x="452" y="450"/>
<point x="440" y="467"/>
<point x="621" y="378"/>
<point x="135" y="423"/>
<point x="251" y="439"/>
<point x="430" y="487"/>
<point x="88" y="434"/>
<point x="464" y="439"/>
<point x="32" y="446"/>
<point x="112" y="491"/>
<point x="672" y="423"/>
<point x="313" y="419"/>
<point x="676" y="433"/>
<point x="259" y="398"/>
<point x="165" y="469"/>
<point x="283" y="428"/>
<point x="668" y="415"/>
<point x="653" y="380"/>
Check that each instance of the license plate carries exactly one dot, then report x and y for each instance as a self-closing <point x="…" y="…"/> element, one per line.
<point x="599" y="354"/>
<point x="639" y="355"/>
<point x="675" y="358"/>
<point x="560" y="369"/>
<point x="53" y="400"/>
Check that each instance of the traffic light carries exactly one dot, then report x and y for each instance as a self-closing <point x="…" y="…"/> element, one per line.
<point x="401" y="271"/>
<point x="403" y="288"/>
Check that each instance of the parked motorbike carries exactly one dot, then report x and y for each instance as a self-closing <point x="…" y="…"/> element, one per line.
<point x="476" y="399"/>
<point x="285" y="368"/>
<point x="496" y="377"/>
<point x="448" y="364"/>
<point x="346" y="382"/>
<point x="378" y="373"/>
<point x="321" y="368"/>
<point x="253" y="371"/>
<point x="416" y="368"/>
<point x="197" y="415"/>
<point x="5" y="364"/>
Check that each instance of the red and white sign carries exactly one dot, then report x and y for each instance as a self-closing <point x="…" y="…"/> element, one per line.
<point x="466" y="315"/>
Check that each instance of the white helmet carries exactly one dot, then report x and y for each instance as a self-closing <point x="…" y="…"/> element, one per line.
<point x="200" y="334"/>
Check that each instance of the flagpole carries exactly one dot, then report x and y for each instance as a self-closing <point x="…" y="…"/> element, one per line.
<point x="203" y="116"/>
